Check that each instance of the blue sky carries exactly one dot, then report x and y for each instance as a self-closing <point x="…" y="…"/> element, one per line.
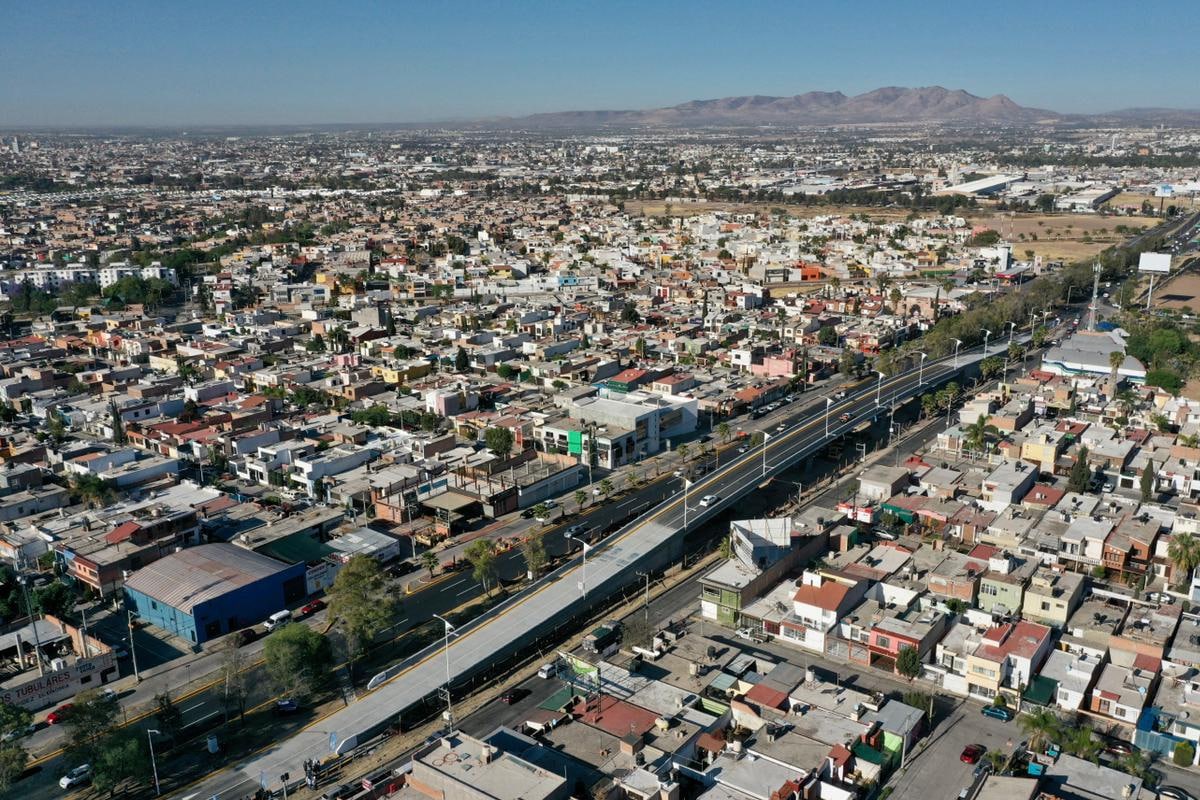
<point x="258" y="61"/>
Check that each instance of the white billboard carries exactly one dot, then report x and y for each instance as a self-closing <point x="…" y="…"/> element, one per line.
<point x="1155" y="262"/>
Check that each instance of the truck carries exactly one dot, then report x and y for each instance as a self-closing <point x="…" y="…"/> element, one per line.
<point x="603" y="638"/>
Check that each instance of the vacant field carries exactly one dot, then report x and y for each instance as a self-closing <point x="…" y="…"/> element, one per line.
<point x="1182" y="291"/>
<point x="656" y="208"/>
<point x="1069" y="237"/>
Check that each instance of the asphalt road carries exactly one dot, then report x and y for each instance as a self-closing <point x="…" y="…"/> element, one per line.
<point x="609" y="564"/>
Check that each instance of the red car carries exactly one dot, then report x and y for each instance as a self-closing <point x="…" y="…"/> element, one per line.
<point x="971" y="753"/>
<point x="59" y="714"/>
<point x="312" y="607"/>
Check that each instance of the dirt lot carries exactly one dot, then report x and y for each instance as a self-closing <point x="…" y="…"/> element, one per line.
<point x="654" y="208"/>
<point x="1059" y="236"/>
<point x="1182" y="291"/>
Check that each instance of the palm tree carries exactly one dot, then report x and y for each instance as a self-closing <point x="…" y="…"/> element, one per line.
<point x="998" y="759"/>
<point x="580" y="498"/>
<point x="429" y="560"/>
<point x="606" y="486"/>
<point x="978" y="433"/>
<point x="1184" y="552"/>
<point x="683" y="451"/>
<point x="1041" y="727"/>
<point x="1115" y="359"/>
<point x="723" y="432"/>
<point x="929" y="405"/>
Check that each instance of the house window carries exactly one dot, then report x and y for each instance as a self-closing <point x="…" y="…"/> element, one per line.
<point x="154" y="605"/>
<point x="1045" y="606"/>
<point x="884" y="642"/>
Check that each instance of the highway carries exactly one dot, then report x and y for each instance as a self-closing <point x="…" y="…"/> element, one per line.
<point x="602" y="570"/>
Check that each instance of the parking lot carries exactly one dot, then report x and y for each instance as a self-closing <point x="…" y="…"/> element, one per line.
<point x="935" y="771"/>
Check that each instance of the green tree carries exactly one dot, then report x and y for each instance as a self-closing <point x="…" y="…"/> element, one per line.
<point x="57" y="599"/>
<point x="606" y="488"/>
<point x="233" y="676"/>
<point x="167" y="716"/>
<point x="1115" y="359"/>
<point x="429" y="560"/>
<point x="1184" y="754"/>
<point x="360" y="603"/>
<point x="13" y="759"/>
<point x="723" y="432"/>
<point x="499" y="441"/>
<point x="14" y="720"/>
<point x="1183" y="550"/>
<point x="629" y="313"/>
<point x="683" y="451"/>
<point x="191" y="411"/>
<point x="847" y="364"/>
<point x="580" y="497"/>
<point x="1081" y="473"/>
<point x="725" y="550"/>
<point x="505" y="371"/>
<point x="990" y="367"/>
<point x="1147" y="482"/>
<point x="977" y="435"/>
<point x="534" y="551"/>
<point x="1041" y="726"/>
<point x="55" y="427"/>
<point x="540" y="512"/>
<point x="92" y="717"/>
<point x="908" y="662"/>
<point x="481" y="553"/>
<point x="121" y="757"/>
<point x="461" y="362"/>
<point x="118" y="425"/>
<point x="827" y="336"/>
<point x="298" y="659"/>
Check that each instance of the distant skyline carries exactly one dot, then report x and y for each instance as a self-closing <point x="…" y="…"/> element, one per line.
<point x="252" y="62"/>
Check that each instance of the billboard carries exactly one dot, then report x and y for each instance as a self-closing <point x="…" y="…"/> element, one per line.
<point x="1159" y="263"/>
<point x="575" y="442"/>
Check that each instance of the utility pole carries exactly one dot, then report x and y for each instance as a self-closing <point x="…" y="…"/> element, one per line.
<point x="132" y="650"/>
<point x="1095" y="294"/>
<point x="33" y="623"/>
<point x="646" y="603"/>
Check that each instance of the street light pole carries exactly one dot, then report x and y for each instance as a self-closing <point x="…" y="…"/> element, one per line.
<point x="583" y="583"/>
<point x="153" y="763"/>
<point x="766" y="438"/>
<point x="957" y="344"/>
<point x="828" y="404"/>
<point x="132" y="650"/>
<point x="878" y="386"/>
<point x="446" y="650"/>
<point x="986" y="335"/>
<point x="921" y="371"/>
<point x="646" y="575"/>
<point x="1012" y="326"/>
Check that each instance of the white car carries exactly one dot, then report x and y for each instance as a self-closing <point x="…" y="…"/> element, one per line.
<point x="19" y="733"/>
<point x="708" y="500"/>
<point x="76" y="777"/>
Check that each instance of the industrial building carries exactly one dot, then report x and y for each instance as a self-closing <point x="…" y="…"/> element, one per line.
<point x="200" y="593"/>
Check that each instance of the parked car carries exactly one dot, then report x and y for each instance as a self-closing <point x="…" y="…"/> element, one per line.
<point x="997" y="712"/>
<point x="19" y="733"/>
<point x="287" y="706"/>
<point x="1118" y="748"/>
<point x="312" y="607"/>
<point x="751" y="635"/>
<point x="709" y="500"/>
<point x="59" y="714"/>
<point x="548" y="670"/>
<point x="278" y="620"/>
<point x="1173" y="793"/>
<point x="971" y="753"/>
<point x="79" y="776"/>
<point x="844" y="417"/>
<point x="245" y="636"/>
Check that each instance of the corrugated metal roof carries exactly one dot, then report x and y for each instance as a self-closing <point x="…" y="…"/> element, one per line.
<point x="185" y="579"/>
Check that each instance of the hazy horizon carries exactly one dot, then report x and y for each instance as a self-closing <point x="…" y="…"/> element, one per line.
<point x="135" y="64"/>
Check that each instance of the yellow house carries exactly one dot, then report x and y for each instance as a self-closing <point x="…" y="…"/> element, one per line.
<point x="1042" y="448"/>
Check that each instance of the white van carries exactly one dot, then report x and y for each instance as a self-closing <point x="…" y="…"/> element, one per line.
<point x="278" y="620"/>
<point x="548" y="670"/>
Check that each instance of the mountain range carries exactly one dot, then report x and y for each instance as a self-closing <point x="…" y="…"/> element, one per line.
<point x="891" y="104"/>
